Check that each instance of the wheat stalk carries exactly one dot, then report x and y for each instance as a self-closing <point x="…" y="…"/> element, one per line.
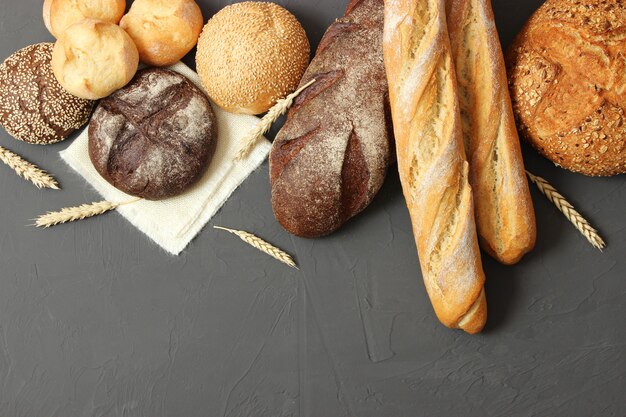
<point x="266" y="122"/>
<point x="27" y="170"/>
<point x="71" y="214"/>
<point x="262" y="245"/>
<point x="568" y="210"/>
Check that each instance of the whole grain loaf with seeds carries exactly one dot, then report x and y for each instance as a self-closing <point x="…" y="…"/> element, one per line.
<point x="331" y="157"/>
<point x="567" y="76"/>
<point x="34" y="107"/>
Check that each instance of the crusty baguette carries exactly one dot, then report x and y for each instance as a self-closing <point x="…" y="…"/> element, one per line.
<point x="431" y="159"/>
<point x="505" y="216"/>
<point x="331" y="157"/>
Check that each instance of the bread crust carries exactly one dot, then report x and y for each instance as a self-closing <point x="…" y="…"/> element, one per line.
<point x="331" y="157"/>
<point x="567" y="76"/>
<point x="47" y="4"/>
<point x="250" y="55"/>
<point x="505" y="216"/>
<point x="60" y="14"/>
<point x="34" y="107"/>
<point x="163" y="30"/>
<point x="155" y="137"/>
<point x="431" y="159"/>
<point x="94" y="73"/>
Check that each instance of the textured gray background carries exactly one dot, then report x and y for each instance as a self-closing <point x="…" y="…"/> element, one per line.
<point x="95" y="320"/>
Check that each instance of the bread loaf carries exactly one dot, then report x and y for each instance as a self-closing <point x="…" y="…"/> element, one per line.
<point x="431" y="159"/>
<point x="505" y="217"/>
<point x="568" y="84"/>
<point x="331" y="157"/>
<point x="34" y="107"/>
<point x="155" y="137"/>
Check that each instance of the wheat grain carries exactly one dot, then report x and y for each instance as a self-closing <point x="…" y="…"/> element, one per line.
<point x="27" y="170"/>
<point x="71" y="214"/>
<point x="262" y="245"/>
<point x="266" y="122"/>
<point x="568" y="210"/>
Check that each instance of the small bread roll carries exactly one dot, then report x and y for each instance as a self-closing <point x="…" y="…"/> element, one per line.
<point x="250" y="55"/>
<point x="163" y="30"/>
<point x="46" y="14"/>
<point x="58" y="15"/>
<point x="92" y="59"/>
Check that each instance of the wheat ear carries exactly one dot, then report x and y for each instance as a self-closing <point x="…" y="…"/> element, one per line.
<point x="71" y="214"/>
<point x="27" y="170"/>
<point x="568" y="210"/>
<point x="266" y="122"/>
<point x="262" y="245"/>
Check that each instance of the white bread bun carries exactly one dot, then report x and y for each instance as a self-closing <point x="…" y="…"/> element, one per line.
<point x="46" y="14"/>
<point x="163" y="30"/>
<point x="58" y="15"/>
<point x="92" y="59"/>
<point x="250" y="55"/>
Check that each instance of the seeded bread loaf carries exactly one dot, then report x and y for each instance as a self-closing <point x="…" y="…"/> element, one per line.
<point x="331" y="157"/>
<point x="567" y="76"/>
<point x="34" y="107"/>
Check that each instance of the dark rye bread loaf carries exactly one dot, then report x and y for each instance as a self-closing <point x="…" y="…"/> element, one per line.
<point x="331" y="157"/>
<point x="33" y="105"/>
<point x="154" y="137"/>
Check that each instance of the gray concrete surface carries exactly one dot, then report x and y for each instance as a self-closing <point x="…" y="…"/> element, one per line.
<point x="97" y="321"/>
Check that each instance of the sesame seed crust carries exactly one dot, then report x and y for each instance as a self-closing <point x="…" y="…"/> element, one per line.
<point x="567" y="76"/>
<point x="34" y="107"/>
<point x="250" y="55"/>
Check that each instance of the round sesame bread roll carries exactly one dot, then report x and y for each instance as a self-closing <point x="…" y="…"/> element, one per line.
<point x="58" y="15"/>
<point x="250" y="55"/>
<point x="163" y="30"/>
<point x="92" y="59"/>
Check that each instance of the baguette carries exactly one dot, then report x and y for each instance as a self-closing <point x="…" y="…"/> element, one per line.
<point x="505" y="216"/>
<point x="331" y="157"/>
<point x="431" y="159"/>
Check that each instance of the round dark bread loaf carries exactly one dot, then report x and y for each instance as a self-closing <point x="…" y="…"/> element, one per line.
<point x="33" y="105"/>
<point x="330" y="158"/>
<point x="153" y="138"/>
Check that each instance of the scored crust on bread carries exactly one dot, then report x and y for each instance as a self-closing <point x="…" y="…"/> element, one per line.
<point x="155" y="137"/>
<point x="431" y="159"/>
<point x="505" y="217"/>
<point x="331" y="157"/>
<point x="567" y="76"/>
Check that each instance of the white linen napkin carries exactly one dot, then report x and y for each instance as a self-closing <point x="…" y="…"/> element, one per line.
<point x="174" y="222"/>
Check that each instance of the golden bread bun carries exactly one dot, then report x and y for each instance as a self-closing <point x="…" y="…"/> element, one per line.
<point x="92" y="59"/>
<point x="46" y="14"/>
<point x="58" y="15"/>
<point x="163" y="30"/>
<point x="567" y="75"/>
<point x="250" y="55"/>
